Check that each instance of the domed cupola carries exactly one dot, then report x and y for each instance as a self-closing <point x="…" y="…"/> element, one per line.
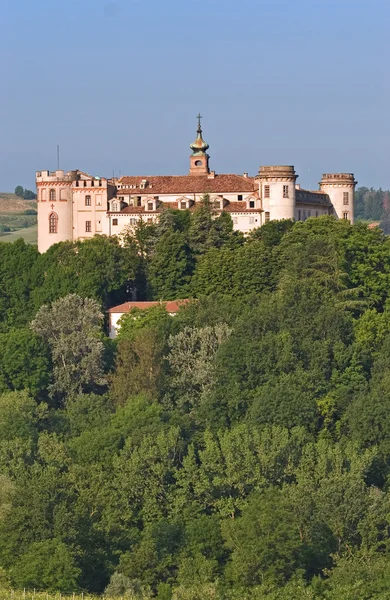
<point x="199" y="160"/>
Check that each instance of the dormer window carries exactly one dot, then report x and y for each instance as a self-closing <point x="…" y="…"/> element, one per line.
<point x="251" y="204"/>
<point x="115" y="206"/>
<point x="143" y="185"/>
<point x="150" y="206"/>
<point x="183" y="204"/>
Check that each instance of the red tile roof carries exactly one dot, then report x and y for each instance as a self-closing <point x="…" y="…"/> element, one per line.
<point x="172" y="306"/>
<point x="187" y="184"/>
<point x="238" y="207"/>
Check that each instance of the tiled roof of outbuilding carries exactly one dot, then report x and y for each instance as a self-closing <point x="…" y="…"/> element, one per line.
<point x="171" y="306"/>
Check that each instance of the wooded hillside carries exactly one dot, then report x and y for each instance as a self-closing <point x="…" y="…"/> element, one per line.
<point x="240" y="449"/>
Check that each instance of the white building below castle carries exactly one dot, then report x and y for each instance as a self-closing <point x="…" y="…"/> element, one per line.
<point x="75" y="205"/>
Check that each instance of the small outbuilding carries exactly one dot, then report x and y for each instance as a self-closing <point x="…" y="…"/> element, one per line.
<point x="116" y="312"/>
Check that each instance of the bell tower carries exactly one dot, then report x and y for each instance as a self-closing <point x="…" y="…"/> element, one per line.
<point x="199" y="159"/>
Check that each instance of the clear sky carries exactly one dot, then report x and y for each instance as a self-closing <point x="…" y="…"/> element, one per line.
<point x="118" y="84"/>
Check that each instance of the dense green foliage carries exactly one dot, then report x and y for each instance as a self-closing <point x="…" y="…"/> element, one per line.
<point x="373" y="205"/>
<point x="240" y="449"/>
<point x="24" y="193"/>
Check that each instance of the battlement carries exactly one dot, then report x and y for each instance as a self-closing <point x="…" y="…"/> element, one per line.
<point x="339" y="178"/>
<point x="59" y="175"/>
<point x="276" y="171"/>
<point x="96" y="182"/>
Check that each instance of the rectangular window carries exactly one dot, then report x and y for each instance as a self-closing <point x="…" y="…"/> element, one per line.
<point x="251" y="220"/>
<point x="345" y="215"/>
<point x="251" y="204"/>
<point x="115" y="221"/>
<point x="266" y="191"/>
<point x="138" y="203"/>
<point x="150" y="205"/>
<point x="299" y="215"/>
<point x="316" y="213"/>
<point x="309" y="213"/>
<point x="345" y="198"/>
<point x="88" y="227"/>
<point x="87" y="200"/>
<point x="183" y="204"/>
<point x="133" y="221"/>
<point x="266" y="217"/>
<point x="285" y="191"/>
<point x="239" y="197"/>
<point x="150" y="220"/>
<point x="304" y="215"/>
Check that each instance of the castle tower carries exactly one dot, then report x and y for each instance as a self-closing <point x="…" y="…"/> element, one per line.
<point x="340" y="188"/>
<point x="277" y="191"/>
<point x="199" y="160"/>
<point x="54" y="203"/>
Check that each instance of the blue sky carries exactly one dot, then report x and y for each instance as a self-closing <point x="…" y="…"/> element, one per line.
<point x="118" y="84"/>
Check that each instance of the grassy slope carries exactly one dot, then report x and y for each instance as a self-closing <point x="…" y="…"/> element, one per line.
<point x="12" y="214"/>
<point x="9" y="203"/>
<point x="29" y="234"/>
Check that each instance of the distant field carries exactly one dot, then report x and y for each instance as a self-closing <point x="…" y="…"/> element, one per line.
<point x="12" y="209"/>
<point x="11" y="203"/>
<point x="29" y="234"/>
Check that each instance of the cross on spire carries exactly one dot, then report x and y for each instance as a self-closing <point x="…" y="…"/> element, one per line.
<point x="199" y="117"/>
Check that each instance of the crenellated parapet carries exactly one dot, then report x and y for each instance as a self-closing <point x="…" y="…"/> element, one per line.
<point x="56" y="176"/>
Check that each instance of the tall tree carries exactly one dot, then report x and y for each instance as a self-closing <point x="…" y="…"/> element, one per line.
<point x="170" y="267"/>
<point x="71" y="327"/>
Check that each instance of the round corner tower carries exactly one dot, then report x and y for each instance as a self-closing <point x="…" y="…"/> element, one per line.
<point x="340" y="188"/>
<point x="54" y="203"/>
<point x="277" y="190"/>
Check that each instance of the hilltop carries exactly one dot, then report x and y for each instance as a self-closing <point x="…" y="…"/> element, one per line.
<point x="11" y="203"/>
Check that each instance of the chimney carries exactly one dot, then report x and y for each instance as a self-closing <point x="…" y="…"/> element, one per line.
<point x="211" y="175"/>
<point x="245" y="175"/>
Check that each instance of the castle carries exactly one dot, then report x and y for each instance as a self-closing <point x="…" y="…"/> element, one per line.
<point x="75" y="205"/>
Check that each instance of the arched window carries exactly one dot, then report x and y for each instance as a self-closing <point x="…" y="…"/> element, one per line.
<point x="52" y="194"/>
<point x="53" y="222"/>
<point x="198" y="163"/>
